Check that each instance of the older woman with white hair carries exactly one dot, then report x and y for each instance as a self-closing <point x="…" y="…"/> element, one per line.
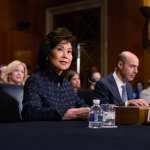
<point x="15" y="73"/>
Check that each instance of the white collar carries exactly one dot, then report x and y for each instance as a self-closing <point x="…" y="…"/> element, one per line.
<point x="118" y="81"/>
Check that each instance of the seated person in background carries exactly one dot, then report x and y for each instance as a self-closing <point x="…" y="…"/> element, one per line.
<point x="15" y="73"/>
<point x="2" y="72"/>
<point x="139" y="87"/>
<point x="74" y="78"/>
<point x="145" y="93"/>
<point x="95" y="76"/>
<point x="47" y="94"/>
<point x="115" y="88"/>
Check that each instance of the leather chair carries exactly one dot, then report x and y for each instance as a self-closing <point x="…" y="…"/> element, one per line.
<point x="87" y="96"/>
<point x="10" y="102"/>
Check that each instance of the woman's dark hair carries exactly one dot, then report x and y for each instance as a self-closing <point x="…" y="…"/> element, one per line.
<point x="51" y="41"/>
<point x="70" y="74"/>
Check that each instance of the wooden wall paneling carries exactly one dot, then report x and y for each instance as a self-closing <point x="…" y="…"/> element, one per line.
<point x="125" y="26"/>
<point x="25" y="48"/>
<point x="146" y="63"/>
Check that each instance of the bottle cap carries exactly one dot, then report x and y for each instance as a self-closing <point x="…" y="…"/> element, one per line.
<point x="96" y="101"/>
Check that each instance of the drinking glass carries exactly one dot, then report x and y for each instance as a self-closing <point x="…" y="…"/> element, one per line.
<point x="108" y="115"/>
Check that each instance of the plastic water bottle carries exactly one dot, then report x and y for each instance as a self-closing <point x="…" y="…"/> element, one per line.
<point x="95" y="115"/>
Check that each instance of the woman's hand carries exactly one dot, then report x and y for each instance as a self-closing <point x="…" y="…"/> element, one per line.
<point x="74" y="113"/>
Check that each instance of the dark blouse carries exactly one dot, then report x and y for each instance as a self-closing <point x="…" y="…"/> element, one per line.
<point x="47" y="96"/>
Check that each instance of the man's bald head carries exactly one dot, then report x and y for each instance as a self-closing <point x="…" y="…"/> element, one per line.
<point x="125" y="56"/>
<point x="127" y="65"/>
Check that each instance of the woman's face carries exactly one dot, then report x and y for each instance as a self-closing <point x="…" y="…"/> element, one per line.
<point x="61" y="56"/>
<point x="17" y="76"/>
<point x="75" y="81"/>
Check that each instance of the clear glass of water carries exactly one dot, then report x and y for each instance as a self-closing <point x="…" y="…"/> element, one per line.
<point x="108" y="116"/>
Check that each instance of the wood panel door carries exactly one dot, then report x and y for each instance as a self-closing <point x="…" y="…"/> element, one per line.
<point x="146" y="65"/>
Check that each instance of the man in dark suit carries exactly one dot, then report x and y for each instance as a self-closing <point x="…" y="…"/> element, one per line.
<point x="115" y="88"/>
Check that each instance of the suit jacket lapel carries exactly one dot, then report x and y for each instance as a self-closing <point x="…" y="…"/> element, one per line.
<point x="114" y="90"/>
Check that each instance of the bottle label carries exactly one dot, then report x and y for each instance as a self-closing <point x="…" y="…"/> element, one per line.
<point x="91" y="117"/>
<point x="96" y="117"/>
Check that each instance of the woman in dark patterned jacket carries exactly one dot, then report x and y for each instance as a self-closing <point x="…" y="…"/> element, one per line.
<point x="47" y="95"/>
